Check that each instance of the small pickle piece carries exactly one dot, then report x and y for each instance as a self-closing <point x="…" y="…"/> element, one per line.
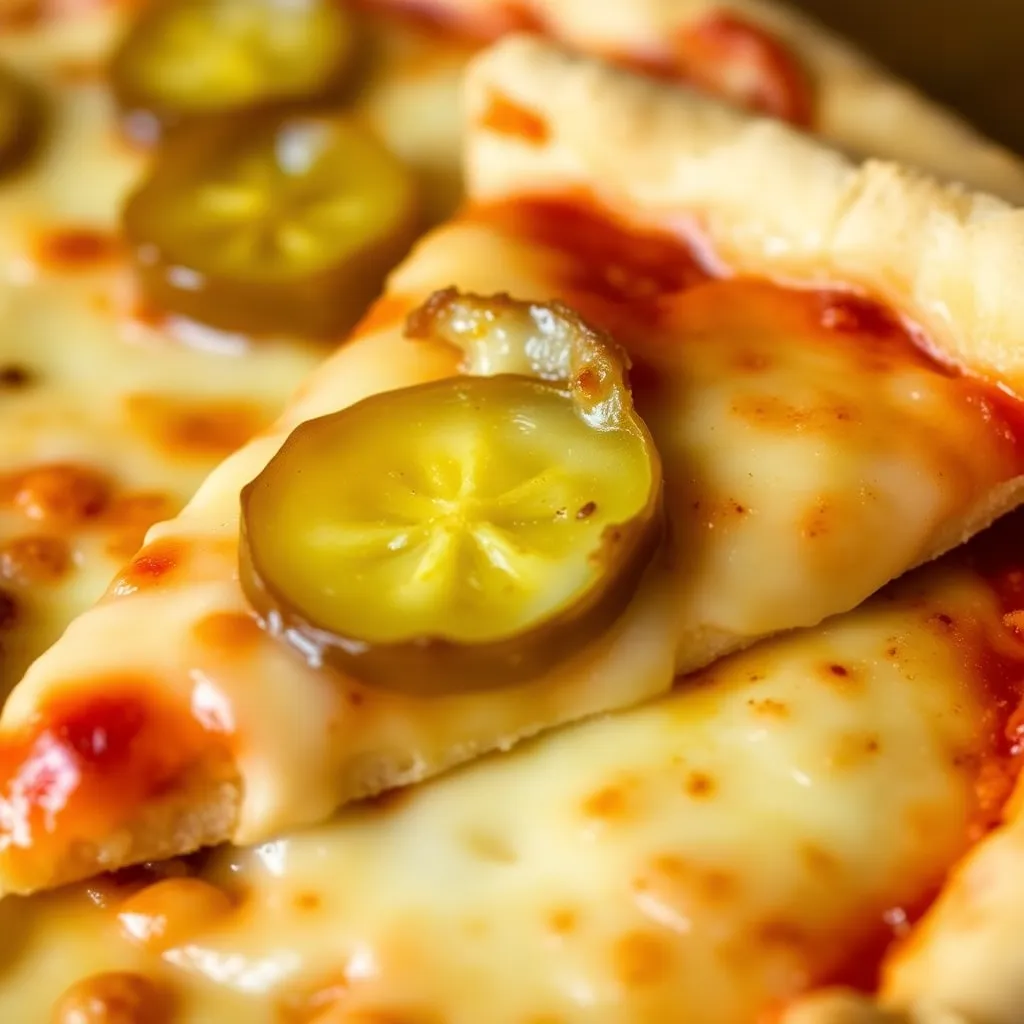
<point x="188" y="58"/>
<point x="467" y="533"/>
<point x="266" y="224"/>
<point x="20" y="121"/>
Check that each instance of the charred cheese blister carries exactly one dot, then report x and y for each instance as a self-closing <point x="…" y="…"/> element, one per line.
<point x="771" y="826"/>
<point x="813" y="445"/>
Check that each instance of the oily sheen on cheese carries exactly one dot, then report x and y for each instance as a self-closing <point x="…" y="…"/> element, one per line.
<point x="768" y="827"/>
<point x="102" y="397"/>
<point x="110" y="414"/>
<point x="769" y="406"/>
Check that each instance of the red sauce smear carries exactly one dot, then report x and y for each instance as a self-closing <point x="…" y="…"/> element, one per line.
<point x="730" y="57"/>
<point x="86" y="765"/>
<point x="629" y="280"/>
<point x="617" y="277"/>
<point x="995" y="666"/>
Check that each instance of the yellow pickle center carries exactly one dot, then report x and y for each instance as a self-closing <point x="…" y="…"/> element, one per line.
<point x="507" y="511"/>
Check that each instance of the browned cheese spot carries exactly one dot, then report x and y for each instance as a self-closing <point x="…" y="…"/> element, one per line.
<point x="700" y="785"/>
<point x="768" y="707"/>
<point x="75" y="248"/>
<point x="818" y="520"/>
<point x="307" y="901"/>
<point x="853" y="749"/>
<point x="845" y="679"/>
<point x="119" y="997"/>
<point x="190" y="428"/>
<point x="59" y="494"/>
<point x="563" y="920"/>
<point x="228" y="632"/>
<point x="609" y="803"/>
<point x="719" y="512"/>
<point x="170" y="912"/>
<point x="35" y="559"/>
<point x="14" y="377"/>
<point x="641" y="959"/>
<point x="151" y="566"/>
<point x="678" y="882"/>
<point x="770" y="412"/>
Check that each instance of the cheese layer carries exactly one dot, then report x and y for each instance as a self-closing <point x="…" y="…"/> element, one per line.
<point x="97" y="393"/>
<point x="765" y="828"/>
<point x="812" y="451"/>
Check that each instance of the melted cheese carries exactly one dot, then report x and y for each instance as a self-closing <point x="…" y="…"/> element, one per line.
<point x="704" y="858"/>
<point x="811" y="453"/>
<point x="91" y="381"/>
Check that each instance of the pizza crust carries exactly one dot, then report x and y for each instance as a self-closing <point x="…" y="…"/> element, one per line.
<point x="858" y="105"/>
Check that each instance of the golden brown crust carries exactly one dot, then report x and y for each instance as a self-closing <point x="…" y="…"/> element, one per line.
<point x="857" y="105"/>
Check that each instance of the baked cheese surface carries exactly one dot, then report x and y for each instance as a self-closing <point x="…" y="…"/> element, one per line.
<point x="769" y="826"/>
<point x="111" y="414"/>
<point x="812" y="451"/>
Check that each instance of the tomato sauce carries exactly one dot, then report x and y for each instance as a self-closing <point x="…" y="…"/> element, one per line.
<point x="92" y="757"/>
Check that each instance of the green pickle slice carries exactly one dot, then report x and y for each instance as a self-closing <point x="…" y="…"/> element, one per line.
<point x="268" y="224"/>
<point x="20" y="121"/>
<point x="466" y="533"/>
<point x="187" y="58"/>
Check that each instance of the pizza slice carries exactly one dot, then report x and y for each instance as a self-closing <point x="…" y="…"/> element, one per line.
<point x="670" y="407"/>
<point x="776" y="824"/>
<point x="121" y="384"/>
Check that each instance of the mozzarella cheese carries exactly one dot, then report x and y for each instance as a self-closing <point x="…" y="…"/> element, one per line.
<point x="93" y="387"/>
<point x="767" y="827"/>
<point x="811" y="452"/>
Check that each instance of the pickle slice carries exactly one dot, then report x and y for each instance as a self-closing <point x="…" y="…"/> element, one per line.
<point x="265" y="224"/>
<point x="186" y="58"/>
<point x="466" y="533"/>
<point x="20" y="119"/>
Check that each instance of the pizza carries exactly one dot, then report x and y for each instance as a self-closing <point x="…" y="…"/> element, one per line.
<point x="752" y="399"/>
<point x="103" y="437"/>
<point x="775" y="825"/>
<point x="629" y="411"/>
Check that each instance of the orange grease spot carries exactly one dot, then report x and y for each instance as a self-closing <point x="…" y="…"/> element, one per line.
<point x="700" y="785"/>
<point x="35" y="559"/>
<point x="75" y="248"/>
<point x="228" y="632"/>
<point x="191" y="428"/>
<point x="151" y="566"/>
<point x="61" y="494"/>
<point x="641" y="959"/>
<point x="505" y="117"/>
<point x="608" y="803"/>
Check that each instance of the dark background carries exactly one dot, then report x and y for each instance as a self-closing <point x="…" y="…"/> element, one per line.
<point x="969" y="54"/>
